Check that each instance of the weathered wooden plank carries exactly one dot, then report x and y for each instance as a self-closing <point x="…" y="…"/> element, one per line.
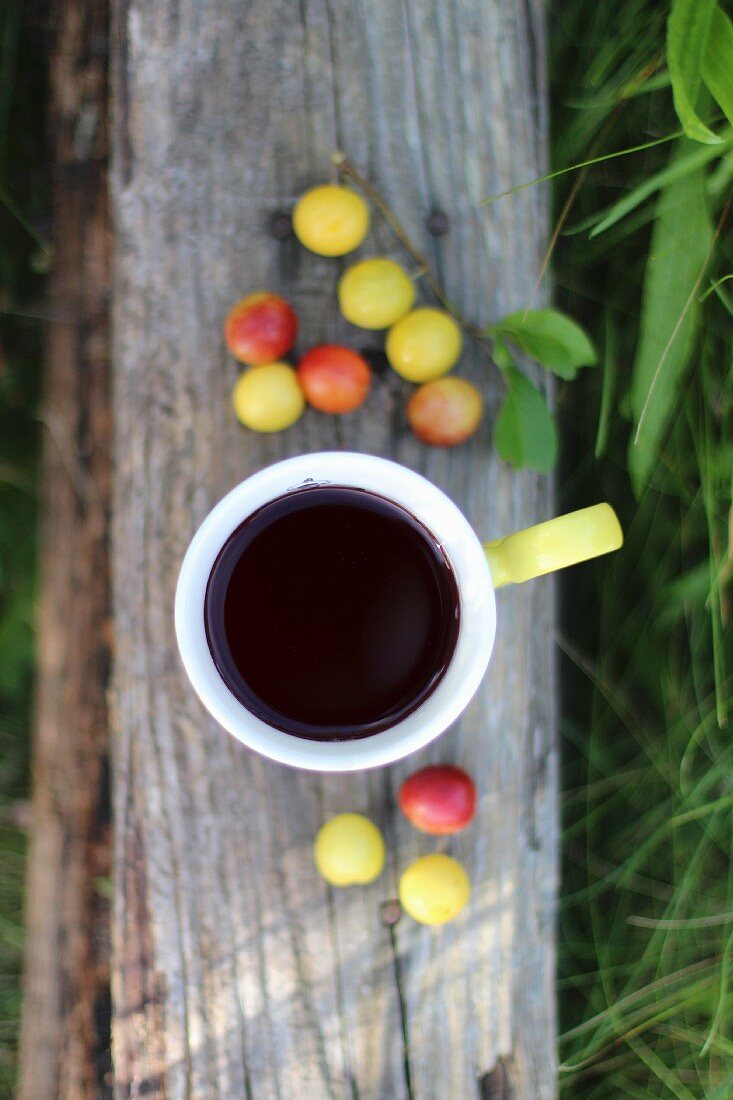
<point x="236" y="972"/>
<point x="66" y="1010"/>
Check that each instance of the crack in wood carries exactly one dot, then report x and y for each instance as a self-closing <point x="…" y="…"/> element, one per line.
<point x="121" y="77"/>
<point x="397" y="964"/>
<point x="331" y="36"/>
<point x="141" y="996"/>
<point x="304" y="985"/>
<point x="340" y="999"/>
<point x="534" y="37"/>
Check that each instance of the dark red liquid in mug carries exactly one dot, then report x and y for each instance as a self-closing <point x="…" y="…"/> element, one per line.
<point x="331" y="613"/>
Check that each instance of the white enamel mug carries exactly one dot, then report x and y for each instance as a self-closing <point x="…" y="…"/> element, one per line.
<point x="473" y="573"/>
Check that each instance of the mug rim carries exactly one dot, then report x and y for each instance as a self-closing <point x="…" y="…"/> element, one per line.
<point x="450" y="528"/>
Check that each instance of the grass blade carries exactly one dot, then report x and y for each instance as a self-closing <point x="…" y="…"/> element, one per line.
<point x="721" y="1005"/>
<point x="680" y="249"/>
<point x="688" y="30"/>
<point x="610" y="370"/>
<point x="713" y="288"/>
<point x="582" y="164"/>
<point x="678" y="169"/>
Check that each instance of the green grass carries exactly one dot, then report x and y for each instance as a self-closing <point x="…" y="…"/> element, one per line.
<point x="23" y="181"/>
<point x="646" y="915"/>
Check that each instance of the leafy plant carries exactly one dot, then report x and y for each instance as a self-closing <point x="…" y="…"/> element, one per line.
<point x="644" y="262"/>
<point x="525" y="435"/>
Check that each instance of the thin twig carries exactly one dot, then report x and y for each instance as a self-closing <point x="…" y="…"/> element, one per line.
<point x="346" y="168"/>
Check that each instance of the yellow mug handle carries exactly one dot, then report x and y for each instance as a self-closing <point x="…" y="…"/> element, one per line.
<point x="565" y="540"/>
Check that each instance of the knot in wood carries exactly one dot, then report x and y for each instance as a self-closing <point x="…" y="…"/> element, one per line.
<point x="437" y="223"/>
<point x="281" y="225"/>
<point x="390" y="912"/>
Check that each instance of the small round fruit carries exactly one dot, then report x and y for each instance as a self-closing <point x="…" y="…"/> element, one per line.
<point x="331" y="220"/>
<point x="375" y="293"/>
<point x="434" y="889"/>
<point x="334" y="379"/>
<point x="349" y="849"/>
<point x="268" y="398"/>
<point x="260" y="329"/>
<point x="445" y="412"/>
<point x="439" y="799"/>
<point x="424" y="345"/>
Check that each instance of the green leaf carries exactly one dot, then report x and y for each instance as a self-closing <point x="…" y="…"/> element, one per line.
<point x="502" y="355"/>
<point x="688" y="29"/>
<point x="680" y="248"/>
<point x="717" y="66"/>
<point x="524" y="433"/>
<point x="553" y="339"/>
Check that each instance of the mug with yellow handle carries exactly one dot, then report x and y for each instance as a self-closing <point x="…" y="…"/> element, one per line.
<point x="478" y="568"/>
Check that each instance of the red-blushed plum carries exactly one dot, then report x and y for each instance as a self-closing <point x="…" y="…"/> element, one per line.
<point x="260" y="329"/>
<point x="445" y="412"/>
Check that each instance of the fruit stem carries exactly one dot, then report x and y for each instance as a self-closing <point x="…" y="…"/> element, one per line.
<point x="419" y="272"/>
<point x="346" y="168"/>
<point x="343" y="165"/>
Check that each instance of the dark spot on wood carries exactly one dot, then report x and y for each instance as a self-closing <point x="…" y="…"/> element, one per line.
<point x="437" y="223"/>
<point x="376" y="358"/>
<point x="101" y="664"/>
<point x="281" y="226"/>
<point x="390" y="912"/>
<point x="102" y="1048"/>
<point x="498" y="1083"/>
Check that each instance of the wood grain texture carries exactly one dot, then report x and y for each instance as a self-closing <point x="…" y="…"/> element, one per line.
<point x="64" y="1050"/>
<point x="236" y="972"/>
